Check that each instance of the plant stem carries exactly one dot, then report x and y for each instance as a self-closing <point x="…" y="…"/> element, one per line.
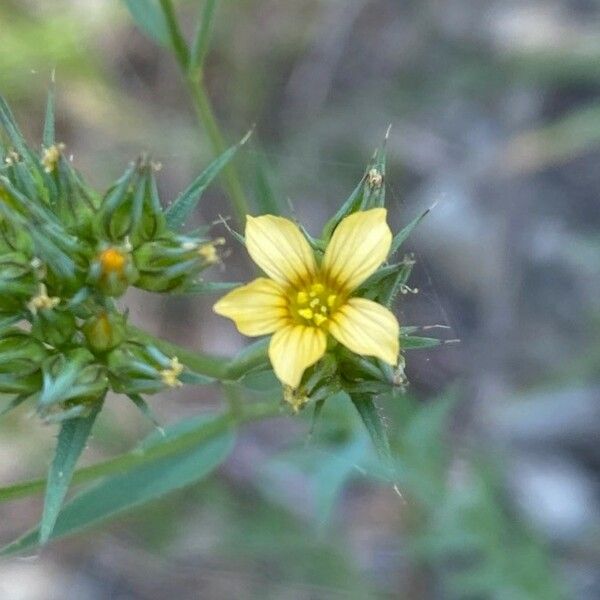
<point x="206" y="117"/>
<point x="191" y="70"/>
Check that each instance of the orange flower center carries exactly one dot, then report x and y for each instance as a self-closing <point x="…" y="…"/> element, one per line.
<point x="314" y="305"/>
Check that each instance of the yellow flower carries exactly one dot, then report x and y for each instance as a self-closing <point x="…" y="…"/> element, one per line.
<point x="303" y="302"/>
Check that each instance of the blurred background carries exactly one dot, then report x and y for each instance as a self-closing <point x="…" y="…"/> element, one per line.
<point x="495" y="109"/>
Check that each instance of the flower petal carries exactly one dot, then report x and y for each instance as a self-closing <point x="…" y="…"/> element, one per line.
<point x="367" y="328"/>
<point x="359" y="244"/>
<point x="280" y="249"/>
<point x="258" y="308"/>
<point x="293" y="349"/>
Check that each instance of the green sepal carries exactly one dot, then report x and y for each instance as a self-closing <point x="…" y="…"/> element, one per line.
<point x="69" y="379"/>
<point x="369" y="193"/>
<point x="105" y="331"/>
<point x="374" y="422"/>
<point x="53" y="326"/>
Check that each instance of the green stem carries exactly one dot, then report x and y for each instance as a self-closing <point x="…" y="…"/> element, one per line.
<point x="131" y="460"/>
<point x="206" y="117"/>
<point x="190" y="68"/>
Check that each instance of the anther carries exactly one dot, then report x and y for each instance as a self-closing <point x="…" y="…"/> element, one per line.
<point x="302" y="298"/>
<point x="319" y="319"/>
<point x="307" y="313"/>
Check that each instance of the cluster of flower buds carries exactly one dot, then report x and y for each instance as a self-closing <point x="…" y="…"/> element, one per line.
<point x="66" y="253"/>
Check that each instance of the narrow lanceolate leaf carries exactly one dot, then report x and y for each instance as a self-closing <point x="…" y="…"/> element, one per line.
<point x="12" y="129"/>
<point x="48" y="136"/>
<point x="414" y="342"/>
<point x="202" y="39"/>
<point x="403" y="234"/>
<point x="267" y="201"/>
<point x="14" y="403"/>
<point x="149" y="18"/>
<point x="72" y="439"/>
<point x="208" y="287"/>
<point x="149" y="481"/>
<point x="144" y="408"/>
<point x="373" y="421"/>
<point x="187" y="201"/>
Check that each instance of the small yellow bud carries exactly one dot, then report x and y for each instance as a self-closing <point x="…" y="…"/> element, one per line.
<point x="112" y="260"/>
<point x="51" y="156"/>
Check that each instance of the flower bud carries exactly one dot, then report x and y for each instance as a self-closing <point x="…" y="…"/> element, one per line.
<point x="132" y="208"/>
<point x="104" y="331"/>
<point x="53" y="326"/>
<point x="17" y="281"/>
<point x="113" y="270"/>
<point x="143" y="370"/>
<point x="21" y="357"/>
<point x="173" y="262"/>
<point x="71" y="379"/>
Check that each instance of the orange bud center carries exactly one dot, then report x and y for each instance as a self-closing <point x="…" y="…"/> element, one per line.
<point x="112" y="260"/>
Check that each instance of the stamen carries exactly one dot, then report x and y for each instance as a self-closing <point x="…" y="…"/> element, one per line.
<point x="302" y="298"/>
<point x="319" y="319"/>
<point x="307" y="313"/>
<point x="331" y="300"/>
<point x="317" y="288"/>
<point x="314" y="302"/>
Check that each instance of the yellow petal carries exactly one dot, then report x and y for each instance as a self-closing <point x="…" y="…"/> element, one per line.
<point x="293" y="349"/>
<point x="258" y="308"/>
<point x="359" y="244"/>
<point x="367" y="328"/>
<point x="280" y="249"/>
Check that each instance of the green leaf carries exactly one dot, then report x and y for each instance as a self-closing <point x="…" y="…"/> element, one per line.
<point x="144" y="408"/>
<point x="72" y="439"/>
<point x="151" y="480"/>
<point x="373" y="421"/>
<point x="415" y="342"/>
<point x="187" y="201"/>
<point x="48" y="135"/>
<point x="131" y="460"/>
<point x="202" y="39"/>
<point x="208" y="287"/>
<point x="12" y="129"/>
<point x="14" y="403"/>
<point x="7" y="322"/>
<point x="403" y="234"/>
<point x="149" y="18"/>
<point x="267" y="201"/>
